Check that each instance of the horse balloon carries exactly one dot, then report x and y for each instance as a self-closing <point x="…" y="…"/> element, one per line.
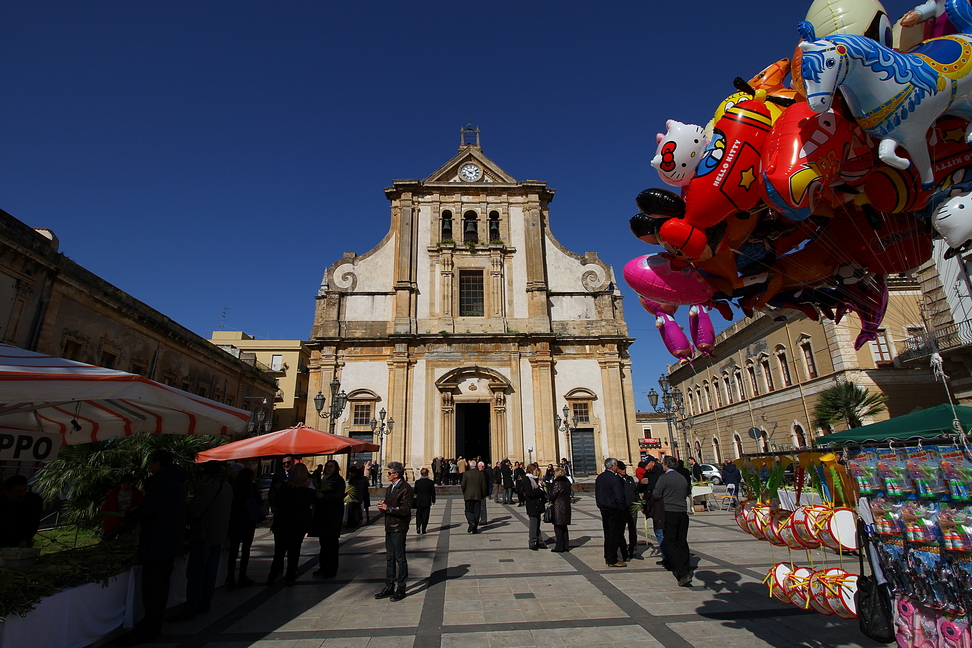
<point x="895" y="97"/>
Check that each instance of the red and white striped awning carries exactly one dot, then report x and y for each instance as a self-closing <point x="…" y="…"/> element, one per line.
<point x="46" y="395"/>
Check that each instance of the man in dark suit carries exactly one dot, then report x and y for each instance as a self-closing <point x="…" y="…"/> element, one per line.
<point x="424" y="499"/>
<point x="610" y="499"/>
<point x="474" y="489"/>
<point x="280" y="475"/>
<point x="397" y="507"/>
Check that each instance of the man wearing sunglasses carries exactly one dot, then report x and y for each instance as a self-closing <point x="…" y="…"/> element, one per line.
<point x="397" y="507"/>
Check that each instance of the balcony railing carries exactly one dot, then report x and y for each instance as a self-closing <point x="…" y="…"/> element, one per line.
<point x="926" y="343"/>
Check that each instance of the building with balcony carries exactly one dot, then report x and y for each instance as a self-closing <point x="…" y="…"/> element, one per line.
<point x="472" y="326"/>
<point x="946" y="323"/>
<point x="286" y="362"/>
<point x="760" y="390"/>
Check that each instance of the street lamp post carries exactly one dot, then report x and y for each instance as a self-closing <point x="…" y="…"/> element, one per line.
<point x="338" y="401"/>
<point x="673" y="406"/>
<point x="260" y="422"/>
<point x="380" y="430"/>
<point x="563" y="425"/>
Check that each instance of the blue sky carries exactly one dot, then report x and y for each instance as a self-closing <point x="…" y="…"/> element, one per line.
<point x="219" y="155"/>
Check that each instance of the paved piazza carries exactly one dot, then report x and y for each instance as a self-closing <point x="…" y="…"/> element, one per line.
<point x="491" y="590"/>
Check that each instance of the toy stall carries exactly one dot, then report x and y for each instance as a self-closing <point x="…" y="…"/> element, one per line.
<point x="896" y="495"/>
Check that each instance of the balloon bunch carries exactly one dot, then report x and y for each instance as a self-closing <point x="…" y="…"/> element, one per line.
<point x="809" y="195"/>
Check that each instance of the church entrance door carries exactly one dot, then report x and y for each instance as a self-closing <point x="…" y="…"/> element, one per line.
<point x="472" y="430"/>
<point x="583" y="458"/>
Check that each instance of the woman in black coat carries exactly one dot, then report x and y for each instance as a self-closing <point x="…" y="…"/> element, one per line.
<point x="535" y="502"/>
<point x="424" y="490"/>
<point x="292" y="516"/>
<point x="328" y="517"/>
<point x="243" y="521"/>
<point x="560" y="501"/>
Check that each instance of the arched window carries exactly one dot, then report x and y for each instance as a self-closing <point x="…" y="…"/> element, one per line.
<point x="494" y="228"/>
<point x="698" y="395"/>
<point x="698" y="451"/>
<point x="470" y="227"/>
<point x="751" y="370"/>
<point x="784" y="366"/>
<point x="737" y="445"/>
<point x="799" y="437"/>
<point x="716" y="450"/>
<point x="764" y="442"/>
<point x="728" y="385"/>
<point x="806" y="347"/>
<point x="718" y="391"/>
<point x="739" y="384"/>
<point x="767" y="372"/>
<point x="708" y="396"/>
<point x="446" y="226"/>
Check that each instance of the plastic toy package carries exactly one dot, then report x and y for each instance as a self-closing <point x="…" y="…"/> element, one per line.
<point x="957" y="471"/>
<point x="921" y="523"/>
<point x="925" y="469"/>
<point x="864" y="469"/>
<point x="894" y="473"/>
<point x="887" y="517"/>
<point x="956" y="526"/>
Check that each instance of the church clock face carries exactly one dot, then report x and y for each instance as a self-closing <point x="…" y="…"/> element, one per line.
<point x="470" y="172"/>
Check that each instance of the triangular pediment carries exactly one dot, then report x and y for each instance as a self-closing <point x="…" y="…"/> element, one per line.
<point x="490" y="171"/>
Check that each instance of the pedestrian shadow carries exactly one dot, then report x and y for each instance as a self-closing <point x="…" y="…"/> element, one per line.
<point x="438" y="576"/>
<point x="747" y="606"/>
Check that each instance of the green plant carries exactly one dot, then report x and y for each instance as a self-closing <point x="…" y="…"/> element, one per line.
<point x="446" y="242"/>
<point x="846" y="402"/>
<point x="497" y="242"/>
<point x="83" y="474"/>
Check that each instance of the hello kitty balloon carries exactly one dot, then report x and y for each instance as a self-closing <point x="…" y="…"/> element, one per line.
<point x="679" y="152"/>
<point x="953" y="220"/>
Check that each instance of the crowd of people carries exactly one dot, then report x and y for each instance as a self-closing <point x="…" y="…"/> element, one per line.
<point x="225" y="509"/>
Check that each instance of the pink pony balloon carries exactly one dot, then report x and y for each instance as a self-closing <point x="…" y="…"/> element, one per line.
<point x="654" y="278"/>
<point x="703" y="333"/>
<point x="671" y="333"/>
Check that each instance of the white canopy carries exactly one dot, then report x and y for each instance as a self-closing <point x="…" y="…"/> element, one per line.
<point x="46" y="397"/>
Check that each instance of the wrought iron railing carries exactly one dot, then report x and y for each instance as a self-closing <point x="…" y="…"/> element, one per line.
<point x="926" y="343"/>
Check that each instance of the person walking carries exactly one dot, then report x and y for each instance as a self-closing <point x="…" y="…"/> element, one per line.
<point x="654" y="509"/>
<point x="548" y="476"/>
<point x="673" y="490"/>
<point x="609" y="497"/>
<point x="424" y="499"/>
<point x="208" y="515"/>
<point x="696" y="469"/>
<point x="507" y="482"/>
<point x="453" y="472"/>
<point x="292" y="520"/>
<point x="497" y="476"/>
<point x="559" y="497"/>
<point x="488" y="474"/>
<point x="732" y="477"/>
<point x="397" y="507"/>
<point x="244" y="516"/>
<point x="328" y="517"/>
<point x="473" y="487"/>
<point x="162" y="516"/>
<point x="630" y="518"/>
<point x="519" y="479"/>
<point x="535" y="500"/>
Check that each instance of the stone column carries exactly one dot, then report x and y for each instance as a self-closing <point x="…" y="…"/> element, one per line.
<point x="496" y="297"/>
<point x="615" y="419"/>
<point x="447" y="447"/>
<point x="399" y="405"/>
<point x="543" y="407"/>
<point x="497" y="433"/>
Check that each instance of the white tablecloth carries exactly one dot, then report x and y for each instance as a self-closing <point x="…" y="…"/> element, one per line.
<point x="79" y="616"/>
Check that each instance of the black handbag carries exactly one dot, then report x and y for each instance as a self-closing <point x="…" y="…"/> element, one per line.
<point x="548" y="514"/>
<point x="874" y="615"/>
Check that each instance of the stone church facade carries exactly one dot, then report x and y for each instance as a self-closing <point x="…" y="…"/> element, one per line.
<point x="472" y="327"/>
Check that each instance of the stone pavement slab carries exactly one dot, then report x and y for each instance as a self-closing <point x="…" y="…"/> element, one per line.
<point x="490" y="590"/>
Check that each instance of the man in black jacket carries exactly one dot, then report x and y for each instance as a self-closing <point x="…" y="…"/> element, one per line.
<point x="474" y="491"/>
<point x="672" y="489"/>
<point x="162" y="515"/>
<point x="609" y="496"/>
<point x="397" y="507"/>
<point x="424" y="499"/>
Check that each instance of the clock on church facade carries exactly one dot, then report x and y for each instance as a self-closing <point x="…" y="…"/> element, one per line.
<point x="473" y="327"/>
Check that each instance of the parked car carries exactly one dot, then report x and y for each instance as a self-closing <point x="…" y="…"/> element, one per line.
<point x="711" y="473"/>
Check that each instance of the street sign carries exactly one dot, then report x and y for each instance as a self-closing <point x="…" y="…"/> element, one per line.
<point x="649" y="443"/>
<point x="755" y="433"/>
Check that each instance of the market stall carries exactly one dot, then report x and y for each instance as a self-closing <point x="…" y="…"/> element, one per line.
<point x="913" y="476"/>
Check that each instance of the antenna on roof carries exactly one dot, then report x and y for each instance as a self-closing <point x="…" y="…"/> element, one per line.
<point x="468" y="136"/>
<point x="222" y="318"/>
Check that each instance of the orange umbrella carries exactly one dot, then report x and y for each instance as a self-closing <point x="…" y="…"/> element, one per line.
<point x="297" y="440"/>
